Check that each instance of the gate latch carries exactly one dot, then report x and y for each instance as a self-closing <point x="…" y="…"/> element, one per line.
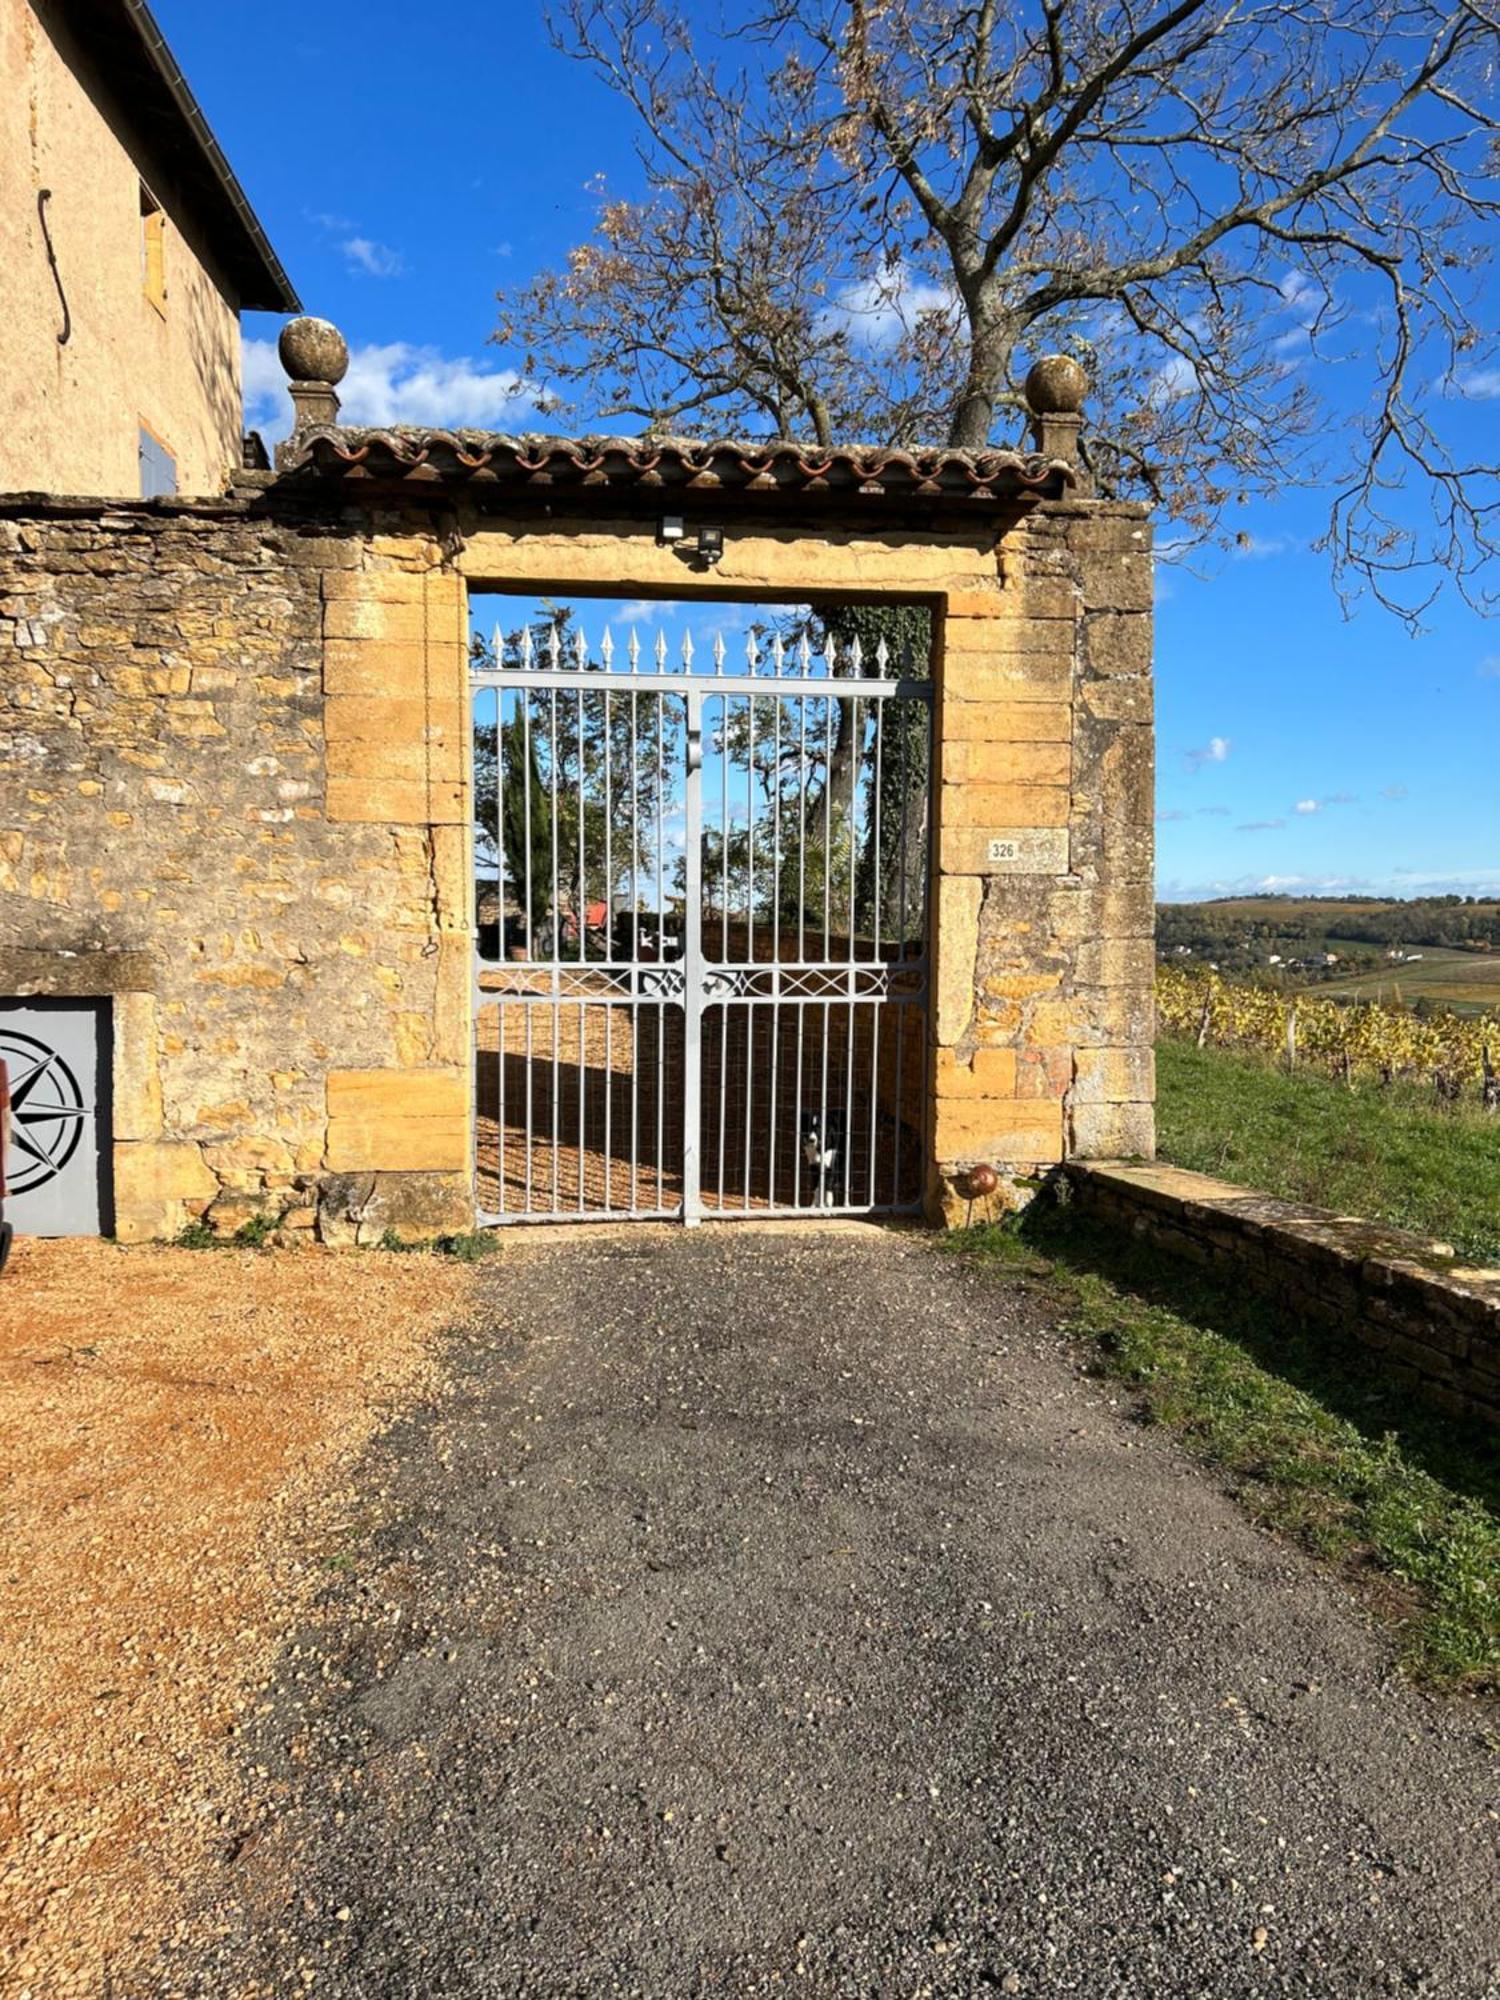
<point x="695" y="749"/>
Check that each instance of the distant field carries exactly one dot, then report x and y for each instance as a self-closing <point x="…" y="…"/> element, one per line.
<point x="1321" y="912"/>
<point x="1466" y="981"/>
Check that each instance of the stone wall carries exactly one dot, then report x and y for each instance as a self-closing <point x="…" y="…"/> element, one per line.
<point x="1431" y="1322"/>
<point x="235" y="759"/>
<point x="1044" y="1021"/>
<point x="186" y="795"/>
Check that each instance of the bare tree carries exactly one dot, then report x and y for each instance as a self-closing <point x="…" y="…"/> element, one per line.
<point x="863" y="218"/>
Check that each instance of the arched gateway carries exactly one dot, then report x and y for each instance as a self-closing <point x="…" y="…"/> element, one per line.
<point x="831" y="897"/>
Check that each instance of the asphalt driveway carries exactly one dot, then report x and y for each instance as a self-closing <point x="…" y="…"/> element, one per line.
<point x="771" y="1612"/>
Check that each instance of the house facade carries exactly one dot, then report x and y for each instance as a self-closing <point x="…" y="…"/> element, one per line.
<point x="129" y="252"/>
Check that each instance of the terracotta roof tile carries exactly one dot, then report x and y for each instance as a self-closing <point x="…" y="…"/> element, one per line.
<point x="668" y="466"/>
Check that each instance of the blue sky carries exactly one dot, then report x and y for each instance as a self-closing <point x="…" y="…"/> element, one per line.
<point x="404" y="175"/>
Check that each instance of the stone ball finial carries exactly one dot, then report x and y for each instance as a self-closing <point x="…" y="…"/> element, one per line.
<point x="313" y="350"/>
<point x="1056" y="386"/>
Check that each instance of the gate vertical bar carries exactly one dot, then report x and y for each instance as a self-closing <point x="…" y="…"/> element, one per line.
<point x="692" y="959"/>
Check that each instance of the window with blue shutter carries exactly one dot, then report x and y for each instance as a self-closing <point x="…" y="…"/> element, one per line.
<point x="158" y="467"/>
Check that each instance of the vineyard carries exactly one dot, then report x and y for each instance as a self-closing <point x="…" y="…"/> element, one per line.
<point x="1456" y="1055"/>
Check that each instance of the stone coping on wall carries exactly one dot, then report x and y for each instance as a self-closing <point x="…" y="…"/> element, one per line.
<point x="1431" y="1318"/>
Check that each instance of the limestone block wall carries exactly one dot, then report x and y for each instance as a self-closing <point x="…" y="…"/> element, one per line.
<point x="1043" y="1019"/>
<point x="224" y="803"/>
<point x="235" y="796"/>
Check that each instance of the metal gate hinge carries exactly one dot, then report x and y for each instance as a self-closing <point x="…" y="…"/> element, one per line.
<point x="695" y="749"/>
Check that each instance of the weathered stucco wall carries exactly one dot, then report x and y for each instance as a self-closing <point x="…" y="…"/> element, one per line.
<point x="70" y="413"/>
<point x="237" y="751"/>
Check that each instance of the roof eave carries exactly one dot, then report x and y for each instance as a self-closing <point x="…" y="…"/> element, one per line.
<point x="274" y="292"/>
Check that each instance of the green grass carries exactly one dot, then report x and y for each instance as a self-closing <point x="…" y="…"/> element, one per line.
<point x="1389" y="1155"/>
<point x="470" y="1247"/>
<point x="196" y="1235"/>
<point x="1405" y="1503"/>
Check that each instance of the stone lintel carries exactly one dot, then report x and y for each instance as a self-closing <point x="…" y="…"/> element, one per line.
<point x="27" y="973"/>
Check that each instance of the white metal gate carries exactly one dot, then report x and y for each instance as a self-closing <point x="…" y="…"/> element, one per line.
<point x="702" y="912"/>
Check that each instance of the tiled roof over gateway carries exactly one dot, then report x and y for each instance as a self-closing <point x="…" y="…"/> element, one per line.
<point x="656" y="468"/>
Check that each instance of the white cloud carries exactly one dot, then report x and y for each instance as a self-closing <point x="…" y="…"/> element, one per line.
<point x="1214" y="751"/>
<point x="1175" y="814"/>
<point x="1462" y="881"/>
<point x="1479" y="385"/>
<point x="879" y="309"/>
<point x="1271" y="884"/>
<point x="1307" y="301"/>
<point x="1260" y="826"/>
<point x="398" y="382"/>
<point x="376" y="260"/>
<point x="1176" y="377"/>
<point x="1301" y="293"/>
<point x="267" y="405"/>
<point x="361" y="253"/>
<point x="1258" y="548"/>
<point x="1483" y="882"/>
<point x="1489" y="667"/>
<point x="1307" y="806"/>
<point x="1394" y="792"/>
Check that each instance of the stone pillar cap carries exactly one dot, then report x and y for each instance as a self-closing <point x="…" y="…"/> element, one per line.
<point x="313" y="350"/>
<point x="1056" y="386"/>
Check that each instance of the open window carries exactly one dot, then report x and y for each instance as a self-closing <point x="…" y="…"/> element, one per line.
<point x="153" y="250"/>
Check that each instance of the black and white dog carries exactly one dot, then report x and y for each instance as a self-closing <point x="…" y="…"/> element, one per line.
<point x="824" y="1154"/>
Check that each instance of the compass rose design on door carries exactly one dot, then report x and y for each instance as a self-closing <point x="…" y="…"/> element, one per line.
<point x="48" y="1112"/>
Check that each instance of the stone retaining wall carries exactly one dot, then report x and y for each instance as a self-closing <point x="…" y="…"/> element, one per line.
<point x="1429" y="1320"/>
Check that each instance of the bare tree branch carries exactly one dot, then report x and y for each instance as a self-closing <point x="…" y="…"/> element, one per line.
<point x="862" y="218"/>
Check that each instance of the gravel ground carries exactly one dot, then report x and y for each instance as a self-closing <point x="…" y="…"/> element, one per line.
<point x="762" y="1612"/>
<point x="171" y="1422"/>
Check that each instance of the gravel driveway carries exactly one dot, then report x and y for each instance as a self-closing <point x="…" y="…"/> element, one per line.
<point x="764" y="1612"/>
